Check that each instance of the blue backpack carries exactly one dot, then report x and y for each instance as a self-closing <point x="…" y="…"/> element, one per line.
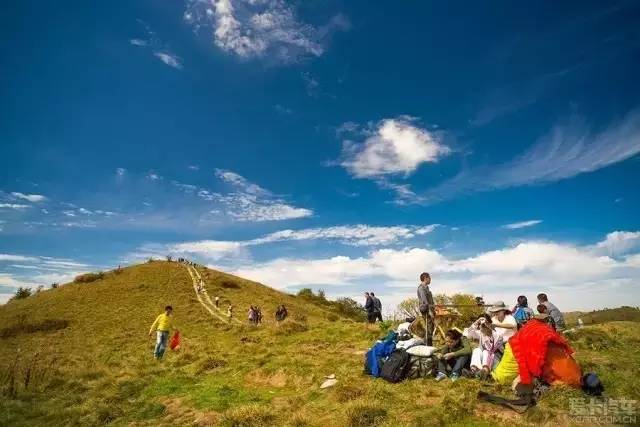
<point x="521" y="315"/>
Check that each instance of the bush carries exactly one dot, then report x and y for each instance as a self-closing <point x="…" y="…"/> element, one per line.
<point x="350" y="308"/>
<point x="89" y="277"/>
<point x="332" y="317"/>
<point x="306" y="293"/>
<point x="227" y="284"/>
<point x="22" y="293"/>
<point x="54" y="285"/>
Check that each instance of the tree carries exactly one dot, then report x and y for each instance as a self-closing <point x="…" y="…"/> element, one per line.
<point x="22" y="293"/>
<point x="54" y="285"/>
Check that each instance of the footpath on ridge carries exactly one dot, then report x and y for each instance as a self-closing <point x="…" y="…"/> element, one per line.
<point x="204" y="298"/>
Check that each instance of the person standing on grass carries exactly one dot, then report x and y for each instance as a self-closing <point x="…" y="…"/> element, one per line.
<point x="368" y="306"/>
<point x="553" y="311"/>
<point x="217" y="301"/>
<point x="427" y="307"/>
<point x="162" y="326"/>
<point x="230" y="312"/>
<point x="377" y="307"/>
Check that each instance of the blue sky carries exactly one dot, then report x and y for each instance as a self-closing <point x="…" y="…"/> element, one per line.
<point x="337" y="145"/>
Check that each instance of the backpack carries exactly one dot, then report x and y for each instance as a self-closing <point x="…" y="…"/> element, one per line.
<point x="420" y="367"/>
<point x="396" y="366"/>
<point x="521" y="315"/>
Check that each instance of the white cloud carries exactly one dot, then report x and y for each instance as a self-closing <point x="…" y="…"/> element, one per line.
<point x="395" y="146"/>
<point x="574" y="276"/>
<point x="620" y="242"/>
<point x="250" y="202"/>
<point x="139" y="42"/>
<point x="19" y="258"/>
<point x="566" y="152"/>
<point x="154" y="177"/>
<point x="13" y="206"/>
<point x="522" y="224"/>
<point x="35" y="198"/>
<point x="193" y="167"/>
<point x="170" y="59"/>
<point x="120" y="172"/>
<point x="356" y="235"/>
<point x="210" y="249"/>
<point x="260" y="28"/>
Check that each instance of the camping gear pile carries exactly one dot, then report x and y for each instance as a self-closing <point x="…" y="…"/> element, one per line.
<point x="401" y="355"/>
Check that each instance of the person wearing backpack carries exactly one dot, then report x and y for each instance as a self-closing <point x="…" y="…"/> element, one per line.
<point x="427" y="307"/>
<point x="552" y="311"/>
<point x="521" y="312"/>
<point x="453" y="356"/>
<point x="377" y="308"/>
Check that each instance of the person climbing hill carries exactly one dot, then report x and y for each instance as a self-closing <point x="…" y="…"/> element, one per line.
<point x="162" y="326"/>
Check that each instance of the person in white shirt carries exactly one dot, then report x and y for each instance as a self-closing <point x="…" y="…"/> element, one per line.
<point x="502" y="322"/>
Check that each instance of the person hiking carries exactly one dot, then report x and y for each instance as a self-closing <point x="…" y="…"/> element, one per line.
<point x="426" y="307"/>
<point x="521" y="312"/>
<point x="230" y="312"/>
<point x="281" y="313"/>
<point x="377" y="308"/>
<point x="368" y="306"/>
<point x="453" y="356"/>
<point x="252" y="314"/>
<point x="552" y="311"/>
<point x="217" y="301"/>
<point x="162" y="326"/>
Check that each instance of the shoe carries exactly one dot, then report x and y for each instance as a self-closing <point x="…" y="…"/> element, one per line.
<point x="468" y="373"/>
<point x="455" y="377"/>
<point x="441" y="376"/>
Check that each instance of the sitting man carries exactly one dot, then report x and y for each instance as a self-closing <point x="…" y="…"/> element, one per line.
<point x="453" y="356"/>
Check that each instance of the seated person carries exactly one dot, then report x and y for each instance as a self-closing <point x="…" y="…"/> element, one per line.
<point x="544" y="316"/>
<point x="453" y="356"/>
<point x="521" y="312"/>
<point x="502" y="321"/>
<point x="486" y="356"/>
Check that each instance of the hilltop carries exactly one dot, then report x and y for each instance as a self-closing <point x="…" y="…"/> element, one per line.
<point x="85" y="351"/>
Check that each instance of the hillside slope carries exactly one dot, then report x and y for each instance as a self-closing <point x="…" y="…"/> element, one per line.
<point x="97" y="369"/>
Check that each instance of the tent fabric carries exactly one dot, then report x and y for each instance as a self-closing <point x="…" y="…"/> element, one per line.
<point x="560" y="368"/>
<point x="507" y="370"/>
<point x="530" y="346"/>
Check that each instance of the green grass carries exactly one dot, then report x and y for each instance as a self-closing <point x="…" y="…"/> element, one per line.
<point x="99" y="370"/>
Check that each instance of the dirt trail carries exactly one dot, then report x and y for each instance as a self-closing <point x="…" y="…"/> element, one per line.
<point x="204" y="298"/>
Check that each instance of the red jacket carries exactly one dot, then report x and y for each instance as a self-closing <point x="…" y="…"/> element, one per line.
<point x="529" y="347"/>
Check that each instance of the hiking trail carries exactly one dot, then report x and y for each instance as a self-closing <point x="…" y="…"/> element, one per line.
<point x="206" y="300"/>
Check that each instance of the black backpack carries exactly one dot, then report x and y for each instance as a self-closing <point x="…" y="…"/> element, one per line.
<point x="395" y="368"/>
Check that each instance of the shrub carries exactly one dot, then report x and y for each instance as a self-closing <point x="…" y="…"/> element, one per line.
<point x="306" y="293"/>
<point x="227" y="284"/>
<point x="22" y="293"/>
<point x="350" y="308"/>
<point x="54" y="286"/>
<point x="89" y="277"/>
<point x="332" y="317"/>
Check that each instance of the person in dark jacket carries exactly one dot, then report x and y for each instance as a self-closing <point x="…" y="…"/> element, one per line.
<point x="454" y="355"/>
<point x="427" y="307"/>
<point x="377" y="307"/>
<point x="368" y="306"/>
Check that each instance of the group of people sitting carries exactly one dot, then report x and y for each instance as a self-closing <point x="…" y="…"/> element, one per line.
<point x="373" y="307"/>
<point x="493" y="331"/>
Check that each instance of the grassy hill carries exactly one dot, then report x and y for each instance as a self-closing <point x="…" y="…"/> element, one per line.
<point x="631" y="314"/>
<point x="80" y="355"/>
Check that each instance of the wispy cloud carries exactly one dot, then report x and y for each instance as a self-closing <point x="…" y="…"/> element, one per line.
<point x="13" y="206"/>
<point x="522" y="224"/>
<point x="170" y="59"/>
<point x="264" y="28"/>
<point x="139" y="42"/>
<point x="35" y="198"/>
<point x="569" y="150"/>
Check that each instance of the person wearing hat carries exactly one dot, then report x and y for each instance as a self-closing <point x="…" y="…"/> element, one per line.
<point x="502" y="322"/>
